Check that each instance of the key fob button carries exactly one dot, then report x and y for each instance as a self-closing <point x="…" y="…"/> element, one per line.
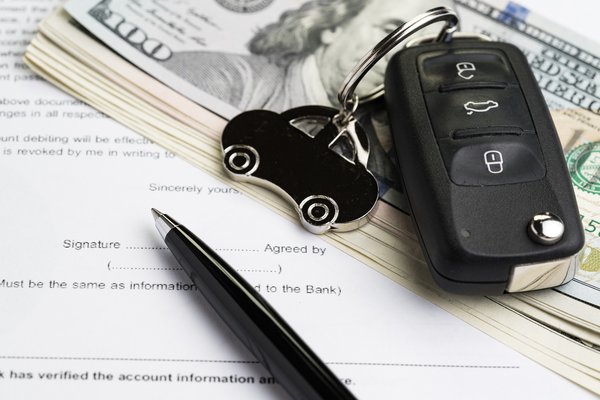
<point x="456" y="68"/>
<point x="477" y="108"/>
<point x="498" y="160"/>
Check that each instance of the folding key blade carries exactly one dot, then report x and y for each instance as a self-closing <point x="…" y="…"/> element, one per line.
<point x="290" y="153"/>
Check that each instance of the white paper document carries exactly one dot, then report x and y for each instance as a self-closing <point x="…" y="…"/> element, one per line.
<point x="92" y="305"/>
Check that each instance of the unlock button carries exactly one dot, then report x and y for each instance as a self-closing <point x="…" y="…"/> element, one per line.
<point x="493" y="160"/>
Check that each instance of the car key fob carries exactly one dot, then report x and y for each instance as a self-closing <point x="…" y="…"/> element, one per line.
<point x="483" y="168"/>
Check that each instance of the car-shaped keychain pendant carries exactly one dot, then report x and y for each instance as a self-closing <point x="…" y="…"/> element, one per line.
<point x="279" y="151"/>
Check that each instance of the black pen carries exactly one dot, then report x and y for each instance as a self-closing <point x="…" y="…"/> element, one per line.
<point x="280" y="350"/>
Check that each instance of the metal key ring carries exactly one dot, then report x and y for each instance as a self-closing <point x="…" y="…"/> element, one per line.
<point x="346" y="96"/>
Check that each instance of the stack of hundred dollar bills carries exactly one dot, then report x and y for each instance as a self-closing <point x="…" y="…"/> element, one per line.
<point x="177" y="71"/>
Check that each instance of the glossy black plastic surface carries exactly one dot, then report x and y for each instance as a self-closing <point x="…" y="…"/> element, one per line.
<point x="479" y="157"/>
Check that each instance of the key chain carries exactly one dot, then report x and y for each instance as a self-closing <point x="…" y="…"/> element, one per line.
<point x="294" y="152"/>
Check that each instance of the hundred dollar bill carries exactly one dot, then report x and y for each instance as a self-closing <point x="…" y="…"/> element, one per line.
<point x="230" y="56"/>
<point x="567" y="68"/>
<point x="288" y="53"/>
<point x="565" y="64"/>
<point x="581" y="138"/>
<point x="282" y="54"/>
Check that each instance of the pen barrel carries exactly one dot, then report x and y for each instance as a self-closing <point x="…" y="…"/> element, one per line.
<point x="260" y="328"/>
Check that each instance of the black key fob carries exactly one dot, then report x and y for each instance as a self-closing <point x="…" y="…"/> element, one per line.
<point x="483" y="168"/>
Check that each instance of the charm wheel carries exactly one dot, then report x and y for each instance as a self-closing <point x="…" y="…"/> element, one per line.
<point x="241" y="159"/>
<point x="319" y="212"/>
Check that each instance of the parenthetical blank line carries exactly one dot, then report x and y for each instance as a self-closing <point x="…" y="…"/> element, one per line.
<point x="248" y="269"/>
<point x="270" y="271"/>
<point x="112" y="268"/>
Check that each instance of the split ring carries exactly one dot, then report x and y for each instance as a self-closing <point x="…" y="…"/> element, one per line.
<point x="346" y="96"/>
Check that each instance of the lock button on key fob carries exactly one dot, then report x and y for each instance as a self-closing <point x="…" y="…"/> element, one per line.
<point x="483" y="168"/>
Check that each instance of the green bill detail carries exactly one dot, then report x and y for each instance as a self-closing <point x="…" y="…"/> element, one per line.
<point x="584" y="167"/>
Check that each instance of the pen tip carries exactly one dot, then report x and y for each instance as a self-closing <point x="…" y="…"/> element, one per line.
<point x="163" y="222"/>
<point x="155" y="213"/>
